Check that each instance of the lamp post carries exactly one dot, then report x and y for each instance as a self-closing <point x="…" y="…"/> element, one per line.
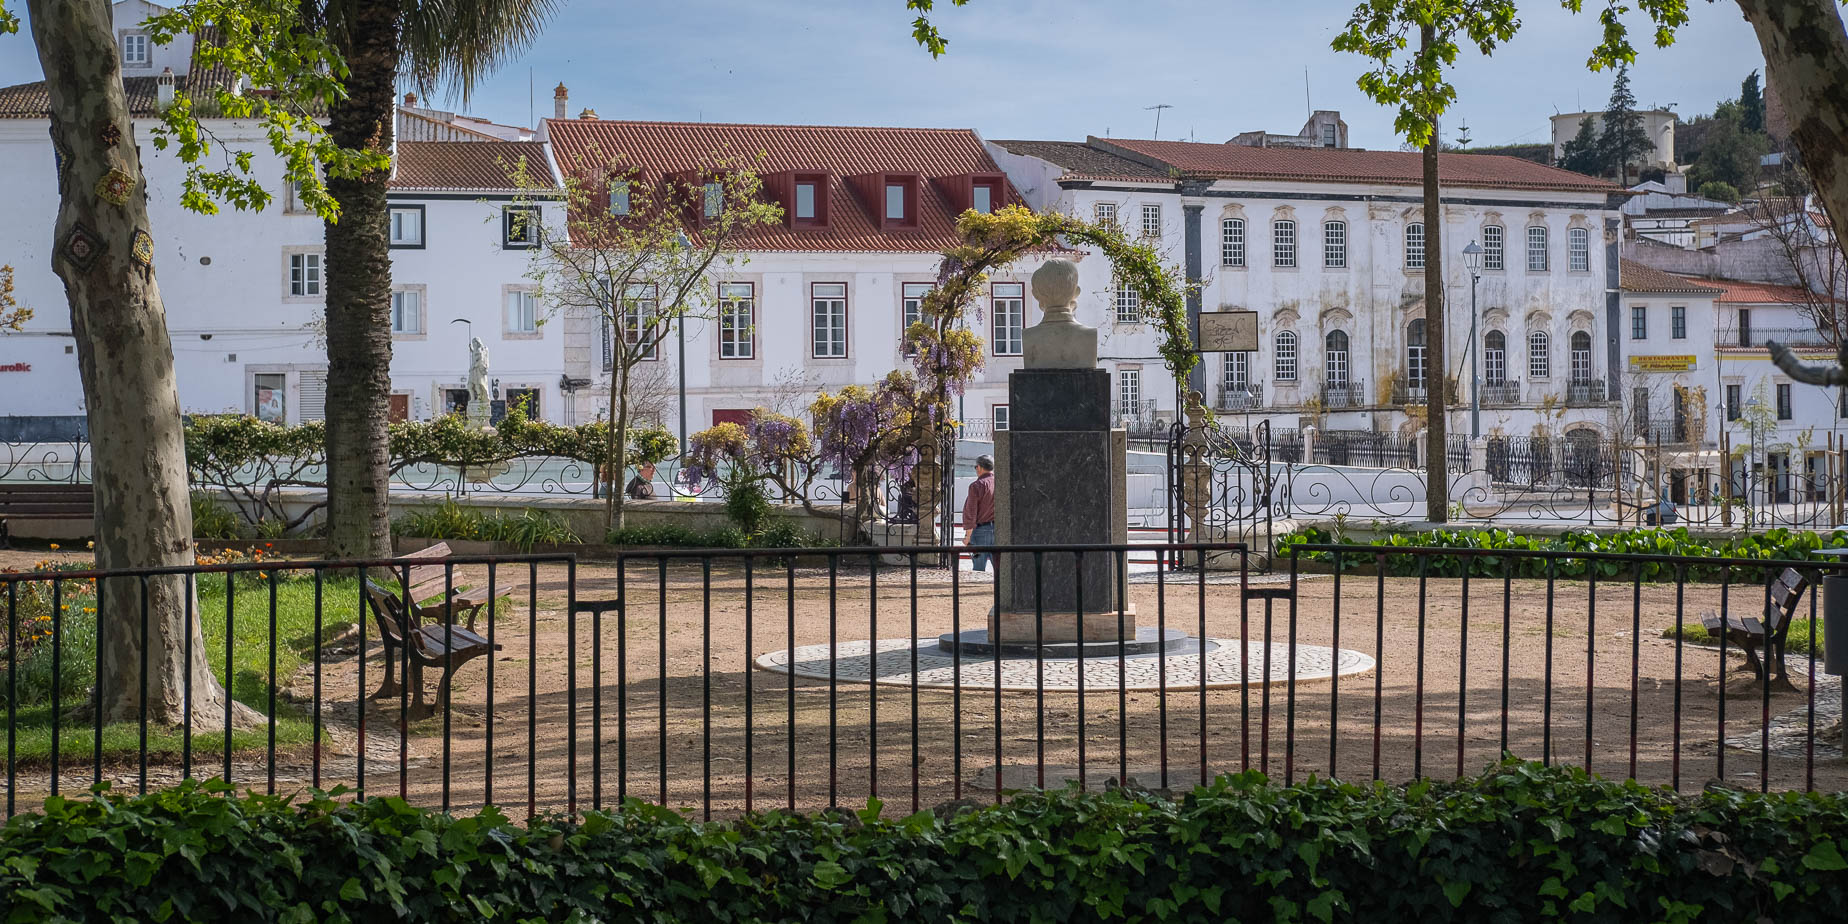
<point x="1472" y="259"/>
<point x="680" y="325"/>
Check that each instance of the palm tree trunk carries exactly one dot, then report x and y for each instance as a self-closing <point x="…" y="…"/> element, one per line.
<point x="359" y="297"/>
<point x="103" y="251"/>
<point x="1437" y="404"/>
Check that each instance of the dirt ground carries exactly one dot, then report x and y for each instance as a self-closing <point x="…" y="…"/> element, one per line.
<point x="587" y="710"/>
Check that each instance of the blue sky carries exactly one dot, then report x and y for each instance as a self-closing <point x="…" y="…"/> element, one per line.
<point x="1042" y="69"/>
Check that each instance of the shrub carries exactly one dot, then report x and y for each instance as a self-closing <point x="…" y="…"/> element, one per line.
<point x="780" y="533"/>
<point x="1717" y="189"/>
<point x="213" y="520"/>
<point x="1778" y="544"/>
<point x="1520" y="843"/>
<point x="450" y="520"/>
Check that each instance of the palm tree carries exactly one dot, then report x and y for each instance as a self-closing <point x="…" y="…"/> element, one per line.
<point x="432" y="44"/>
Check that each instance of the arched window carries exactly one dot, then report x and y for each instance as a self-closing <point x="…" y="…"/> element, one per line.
<point x="1539" y="355"/>
<point x="1414" y="245"/>
<point x="1415" y="355"/>
<point x="1283" y="360"/>
<point x="1495" y="358"/>
<point x="1581" y="358"/>
<point x="1335" y="360"/>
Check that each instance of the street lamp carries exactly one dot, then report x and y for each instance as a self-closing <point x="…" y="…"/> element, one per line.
<point x="1472" y="260"/>
<point x="681" y="327"/>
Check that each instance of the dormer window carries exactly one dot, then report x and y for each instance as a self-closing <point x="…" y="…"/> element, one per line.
<point x="979" y="192"/>
<point x="803" y="194"/>
<point x="135" y="50"/>
<point x="982" y="198"/>
<point x="805" y="200"/>
<point x="891" y="198"/>
<point x="712" y="199"/>
<point x="895" y="210"/>
<point x="619" y="198"/>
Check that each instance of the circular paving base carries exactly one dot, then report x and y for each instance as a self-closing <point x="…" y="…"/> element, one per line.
<point x="854" y="662"/>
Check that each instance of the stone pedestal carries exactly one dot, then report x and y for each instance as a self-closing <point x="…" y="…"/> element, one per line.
<point x="1061" y="477"/>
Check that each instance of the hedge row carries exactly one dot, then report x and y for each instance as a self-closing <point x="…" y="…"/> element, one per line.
<point x="1779" y="544"/>
<point x="1519" y="843"/>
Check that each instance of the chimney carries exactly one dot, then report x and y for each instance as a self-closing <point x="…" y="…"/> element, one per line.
<point x="410" y="100"/>
<point x="560" y="97"/>
<point x="163" y="88"/>
<point x="588" y="115"/>
<point x="1676" y="182"/>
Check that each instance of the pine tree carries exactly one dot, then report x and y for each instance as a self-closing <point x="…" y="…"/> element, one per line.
<point x="1625" y="141"/>
<point x="1751" y="104"/>
<point x="1582" y="154"/>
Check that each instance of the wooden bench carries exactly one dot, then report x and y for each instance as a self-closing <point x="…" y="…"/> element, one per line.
<point x="1768" y="634"/>
<point x="466" y="598"/>
<point x="420" y="645"/>
<point x="39" y="500"/>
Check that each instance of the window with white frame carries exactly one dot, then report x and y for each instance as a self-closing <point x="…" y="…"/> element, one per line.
<point x="519" y="227"/>
<point x="1151" y="221"/>
<point x="1010" y="317"/>
<point x="1678" y="322"/>
<point x="1536" y="249"/>
<point x="1334" y="245"/>
<point x="1639" y="322"/>
<point x="522" y="312"/>
<point x="1578" y="249"/>
<point x="407" y="226"/>
<point x="1104" y="213"/>
<point x="1414" y="246"/>
<point x="1283" y="243"/>
<point x="135" y="50"/>
<point x="640" y="305"/>
<point x="1283" y="357"/>
<point x="1493" y="247"/>
<point x="737" y="320"/>
<point x="1232" y="242"/>
<point x="828" y="311"/>
<point x="1415" y="353"/>
<point x="1237" y="375"/>
<point x="1328" y="134"/>
<point x="305" y="275"/>
<point x="407" y="311"/>
<point x="1539" y="355"/>
<point x="1581" y="358"/>
<point x="805" y="200"/>
<point x="1129" y="392"/>
<point x="1335" y="360"/>
<point x="911" y="311"/>
<point x="1495" y="358"/>
<point x="895" y="202"/>
<point x="1000" y="417"/>
<point x="1128" y="304"/>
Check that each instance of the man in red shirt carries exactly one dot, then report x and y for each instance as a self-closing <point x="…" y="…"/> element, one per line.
<point x="978" y="514"/>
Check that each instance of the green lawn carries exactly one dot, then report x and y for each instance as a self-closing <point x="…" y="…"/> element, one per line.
<point x="1798" y="641"/>
<point x="250" y="676"/>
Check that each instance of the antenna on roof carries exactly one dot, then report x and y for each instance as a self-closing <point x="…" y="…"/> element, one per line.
<point x="1308" y="110"/>
<point x="1158" y="107"/>
<point x="529" y="97"/>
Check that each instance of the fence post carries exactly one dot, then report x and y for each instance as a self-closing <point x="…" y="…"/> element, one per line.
<point x="1725" y="479"/>
<point x="1309" y="445"/>
<point x="1838" y="458"/>
<point x="1479" y="467"/>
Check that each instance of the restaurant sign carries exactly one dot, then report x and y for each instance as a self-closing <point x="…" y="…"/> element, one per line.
<point x="1662" y="363"/>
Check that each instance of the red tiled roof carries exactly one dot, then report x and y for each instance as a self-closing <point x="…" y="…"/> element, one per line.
<point x="1640" y="278"/>
<point x="33" y="100"/>
<point x="470" y="165"/>
<point x="659" y="148"/>
<point x="1337" y="165"/>
<point x="1760" y="293"/>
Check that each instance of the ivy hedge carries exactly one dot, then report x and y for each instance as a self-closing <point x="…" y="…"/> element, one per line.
<point x="1520" y="843"/>
<point x="1778" y="544"/>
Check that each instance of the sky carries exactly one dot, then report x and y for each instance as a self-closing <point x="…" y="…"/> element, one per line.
<point x="1058" y="70"/>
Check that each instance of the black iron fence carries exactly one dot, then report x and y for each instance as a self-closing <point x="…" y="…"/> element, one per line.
<point x="723" y="681"/>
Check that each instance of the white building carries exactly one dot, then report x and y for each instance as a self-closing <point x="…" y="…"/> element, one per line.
<point x="1665" y="212"/>
<point x="244" y="291"/>
<point x="1659" y="123"/>
<point x="1327" y="247"/>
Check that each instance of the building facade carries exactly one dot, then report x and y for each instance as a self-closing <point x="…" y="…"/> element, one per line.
<point x="1327" y="246"/>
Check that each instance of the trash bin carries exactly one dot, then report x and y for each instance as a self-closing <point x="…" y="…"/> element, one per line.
<point x="1835" y="624"/>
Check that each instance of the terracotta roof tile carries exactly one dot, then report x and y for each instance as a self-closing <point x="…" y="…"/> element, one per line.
<point x="1084" y="162"/>
<point x="33" y="100"/>
<point x="659" y="148"/>
<point x="1638" y="277"/>
<point x="1336" y="165"/>
<point x="468" y="165"/>
<point x="1759" y="293"/>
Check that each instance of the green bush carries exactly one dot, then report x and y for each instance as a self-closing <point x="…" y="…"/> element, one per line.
<point x="748" y="507"/>
<point x="1521" y="843"/>
<point x="450" y="520"/>
<point x="1771" y="545"/>
<point x="213" y="520"/>
<point x="779" y="533"/>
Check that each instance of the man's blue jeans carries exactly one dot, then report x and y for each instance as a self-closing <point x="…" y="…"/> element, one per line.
<point x="984" y="535"/>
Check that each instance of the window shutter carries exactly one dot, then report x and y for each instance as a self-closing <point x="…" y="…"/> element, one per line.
<point x="314" y="395"/>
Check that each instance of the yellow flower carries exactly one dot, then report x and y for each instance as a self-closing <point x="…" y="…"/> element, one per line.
<point x="54" y="547"/>
<point x="90" y="545"/>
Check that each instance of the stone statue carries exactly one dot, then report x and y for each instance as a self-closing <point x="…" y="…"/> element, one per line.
<point x="1058" y="341"/>
<point x="477" y="380"/>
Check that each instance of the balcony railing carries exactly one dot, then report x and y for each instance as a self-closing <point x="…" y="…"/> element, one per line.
<point x="1134" y="415"/>
<point x="1757" y="337"/>
<point x="1585" y="393"/>
<point x="1247" y="398"/>
<point x="1349" y="394"/>
<point x="1501" y="392"/>
<point x="1409" y="392"/>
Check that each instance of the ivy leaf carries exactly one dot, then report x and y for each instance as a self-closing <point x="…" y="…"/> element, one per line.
<point x="1825" y="857"/>
<point x="830" y="875"/>
<point x="1456" y="891"/>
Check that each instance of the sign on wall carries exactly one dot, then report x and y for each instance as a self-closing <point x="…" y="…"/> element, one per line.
<point x="1228" y="332"/>
<point x="1662" y="363"/>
